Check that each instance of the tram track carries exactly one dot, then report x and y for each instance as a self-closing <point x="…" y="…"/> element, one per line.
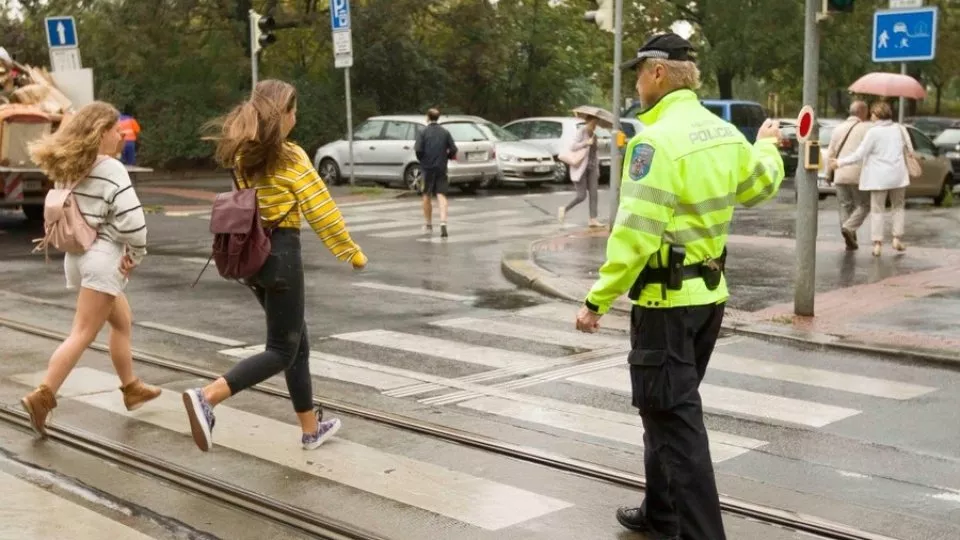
<point x="794" y="521"/>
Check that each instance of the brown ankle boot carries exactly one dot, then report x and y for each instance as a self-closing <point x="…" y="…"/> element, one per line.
<point x="38" y="405"/>
<point x="137" y="393"/>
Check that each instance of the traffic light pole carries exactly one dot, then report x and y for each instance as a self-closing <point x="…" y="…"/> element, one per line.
<point x="806" y="179"/>
<point x="254" y="49"/>
<point x="616" y="168"/>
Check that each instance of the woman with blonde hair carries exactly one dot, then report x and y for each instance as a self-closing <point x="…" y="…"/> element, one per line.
<point x="884" y="173"/>
<point x="78" y="155"/>
<point x="253" y="142"/>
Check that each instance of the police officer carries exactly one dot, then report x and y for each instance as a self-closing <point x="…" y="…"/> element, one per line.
<point x="681" y="178"/>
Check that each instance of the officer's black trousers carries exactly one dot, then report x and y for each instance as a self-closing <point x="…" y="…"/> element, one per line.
<point x="671" y="349"/>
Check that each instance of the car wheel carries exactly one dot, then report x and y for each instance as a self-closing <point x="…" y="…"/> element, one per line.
<point x="946" y="191"/>
<point x="470" y="188"/>
<point x="561" y="172"/>
<point x="34" y="212"/>
<point x="413" y="178"/>
<point x="330" y="172"/>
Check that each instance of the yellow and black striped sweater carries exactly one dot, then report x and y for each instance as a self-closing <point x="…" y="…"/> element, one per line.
<point x="296" y="183"/>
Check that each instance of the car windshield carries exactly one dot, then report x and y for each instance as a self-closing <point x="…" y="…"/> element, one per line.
<point x="496" y="133"/>
<point x="950" y="136"/>
<point x="601" y="133"/>
<point x="465" y="131"/>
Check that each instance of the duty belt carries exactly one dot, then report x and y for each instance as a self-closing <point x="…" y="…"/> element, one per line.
<point x="710" y="270"/>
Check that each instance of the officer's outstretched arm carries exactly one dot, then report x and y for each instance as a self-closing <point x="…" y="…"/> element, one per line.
<point x="761" y="173"/>
<point x="647" y="200"/>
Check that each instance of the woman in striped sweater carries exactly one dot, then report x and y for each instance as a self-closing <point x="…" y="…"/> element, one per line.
<point x="253" y="142"/>
<point x="81" y="150"/>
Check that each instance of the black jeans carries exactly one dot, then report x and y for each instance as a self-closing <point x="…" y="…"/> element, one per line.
<point x="279" y="289"/>
<point x="670" y="351"/>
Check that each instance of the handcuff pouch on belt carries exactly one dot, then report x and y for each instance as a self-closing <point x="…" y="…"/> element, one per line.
<point x="674" y="274"/>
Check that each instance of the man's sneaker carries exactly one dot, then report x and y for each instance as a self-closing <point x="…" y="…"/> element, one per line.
<point x="443" y="230"/>
<point x="325" y="430"/>
<point x="850" y="238"/>
<point x="201" y="418"/>
<point x="137" y="393"/>
<point x="635" y="520"/>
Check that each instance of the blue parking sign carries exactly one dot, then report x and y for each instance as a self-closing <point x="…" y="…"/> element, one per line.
<point x="905" y="35"/>
<point x="61" y="32"/>
<point x="339" y="15"/>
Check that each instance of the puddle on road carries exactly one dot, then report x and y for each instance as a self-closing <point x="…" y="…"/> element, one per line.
<point x="504" y="300"/>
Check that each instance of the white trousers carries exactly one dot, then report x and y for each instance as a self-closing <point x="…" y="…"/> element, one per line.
<point x="878" y="200"/>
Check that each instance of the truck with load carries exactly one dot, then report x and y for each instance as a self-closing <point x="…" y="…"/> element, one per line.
<point x="31" y="106"/>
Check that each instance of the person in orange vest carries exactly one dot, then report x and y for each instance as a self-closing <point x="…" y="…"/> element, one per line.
<point x="130" y="129"/>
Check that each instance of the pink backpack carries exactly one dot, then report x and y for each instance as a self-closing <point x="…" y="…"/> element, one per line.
<point x="65" y="228"/>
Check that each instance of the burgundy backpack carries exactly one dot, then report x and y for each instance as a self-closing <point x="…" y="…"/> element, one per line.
<point x="241" y="244"/>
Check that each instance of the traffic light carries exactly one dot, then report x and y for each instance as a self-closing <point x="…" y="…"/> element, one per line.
<point x="261" y="31"/>
<point x="839" y="6"/>
<point x="602" y="16"/>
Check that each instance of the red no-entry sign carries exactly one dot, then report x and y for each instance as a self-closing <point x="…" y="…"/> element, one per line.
<point x="805" y="123"/>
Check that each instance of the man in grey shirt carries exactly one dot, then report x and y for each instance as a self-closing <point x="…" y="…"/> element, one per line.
<point x="434" y="148"/>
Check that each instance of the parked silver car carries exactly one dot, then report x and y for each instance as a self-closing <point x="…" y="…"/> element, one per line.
<point x="553" y="133"/>
<point x="519" y="162"/>
<point x="383" y="151"/>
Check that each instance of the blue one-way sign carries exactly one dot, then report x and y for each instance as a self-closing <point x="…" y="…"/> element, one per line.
<point x="339" y="15"/>
<point x="61" y="32"/>
<point x="905" y="35"/>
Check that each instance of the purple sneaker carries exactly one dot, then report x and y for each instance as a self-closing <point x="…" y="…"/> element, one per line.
<point x="325" y="430"/>
<point x="201" y="418"/>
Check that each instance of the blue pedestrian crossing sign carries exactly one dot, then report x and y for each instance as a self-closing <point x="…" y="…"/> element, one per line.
<point x="61" y="32"/>
<point x="905" y="35"/>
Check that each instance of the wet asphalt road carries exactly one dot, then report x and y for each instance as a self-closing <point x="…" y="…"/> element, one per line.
<point x="791" y="428"/>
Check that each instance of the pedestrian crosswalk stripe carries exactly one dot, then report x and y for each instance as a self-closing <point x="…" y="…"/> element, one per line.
<point x="488" y="236"/>
<point x="361" y="218"/>
<point x="595" y="422"/>
<point x="513" y="329"/>
<point x="735" y="401"/>
<point x="190" y="333"/>
<point x="521" y="369"/>
<point x="34" y="512"/>
<point x="447" y="492"/>
<point x="567" y="313"/>
<point x="415" y="291"/>
<point x="418" y="231"/>
<point x="822" y="378"/>
<point x="379" y="206"/>
<point x="381" y="225"/>
<point x="451" y="350"/>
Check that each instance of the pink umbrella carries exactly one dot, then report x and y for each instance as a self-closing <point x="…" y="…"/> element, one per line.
<point x="889" y="85"/>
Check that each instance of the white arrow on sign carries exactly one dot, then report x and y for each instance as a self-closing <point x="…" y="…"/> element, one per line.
<point x="62" y="33"/>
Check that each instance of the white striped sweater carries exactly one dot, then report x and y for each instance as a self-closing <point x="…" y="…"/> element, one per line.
<point x="110" y="205"/>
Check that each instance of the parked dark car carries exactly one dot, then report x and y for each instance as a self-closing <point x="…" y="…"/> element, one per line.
<point x="948" y="143"/>
<point x="933" y="126"/>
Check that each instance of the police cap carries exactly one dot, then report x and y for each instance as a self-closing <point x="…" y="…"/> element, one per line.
<point x="668" y="46"/>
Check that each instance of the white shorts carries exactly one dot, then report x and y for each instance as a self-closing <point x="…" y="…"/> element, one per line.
<point x="97" y="269"/>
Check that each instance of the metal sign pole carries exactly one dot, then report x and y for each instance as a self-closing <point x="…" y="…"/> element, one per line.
<point x="903" y="100"/>
<point x="616" y="170"/>
<point x="806" y="179"/>
<point x="346" y="82"/>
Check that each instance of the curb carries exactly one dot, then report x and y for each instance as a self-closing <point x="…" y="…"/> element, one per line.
<point x="519" y="267"/>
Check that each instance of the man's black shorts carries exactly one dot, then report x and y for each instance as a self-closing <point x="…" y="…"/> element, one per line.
<point x="434" y="182"/>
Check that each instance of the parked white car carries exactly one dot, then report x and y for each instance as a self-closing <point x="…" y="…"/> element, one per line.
<point x="518" y="162"/>
<point x="554" y="133"/>
<point x="383" y="151"/>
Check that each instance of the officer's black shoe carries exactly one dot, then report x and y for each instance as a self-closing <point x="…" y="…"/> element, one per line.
<point x="635" y="520"/>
